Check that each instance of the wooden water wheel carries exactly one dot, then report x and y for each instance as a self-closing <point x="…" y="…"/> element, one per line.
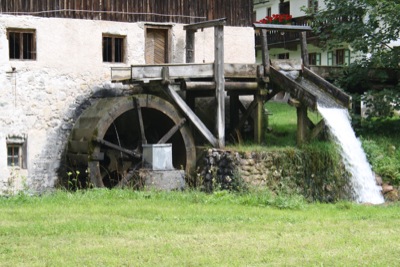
<point x="107" y="138"/>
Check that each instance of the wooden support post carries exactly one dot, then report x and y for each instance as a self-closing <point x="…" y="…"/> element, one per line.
<point x="304" y="49"/>
<point x="190" y="41"/>
<point x="219" y="80"/>
<point x="258" y="120"/>
<point x="234" y="110"/>
<point x="95" y="176"/>
<point x="302" y="125"/>
<point x="265" y="52"/>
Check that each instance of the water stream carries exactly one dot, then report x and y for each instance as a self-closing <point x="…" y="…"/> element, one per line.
<point x="362" y="178"/>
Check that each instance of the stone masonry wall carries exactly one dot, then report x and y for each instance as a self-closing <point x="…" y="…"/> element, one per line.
<point x="288" y="171"/>
<point x="40" y="99"/>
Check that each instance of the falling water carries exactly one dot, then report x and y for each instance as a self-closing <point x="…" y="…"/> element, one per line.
<point x="354" y="158"/>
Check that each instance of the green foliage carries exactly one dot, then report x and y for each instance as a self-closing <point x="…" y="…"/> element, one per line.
<point x="367" y="25"/>
<point x="381" y="104"/>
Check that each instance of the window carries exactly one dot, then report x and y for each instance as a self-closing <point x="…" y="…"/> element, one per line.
<point x="113" y="48"/>
<point x="342" y="57"/>
<point x="16" y="151"/>
<point x="313" y="5"/>
<point x="283" y="56"/>
<point x="14" y="155"/>
<point x="284" y="7"/>
<point x="330" y="58"/>
<point x="22" y="44"/>
<point x="269" y="12"/>
<point x="314" y="58"/>
<point x="339" y="57"/>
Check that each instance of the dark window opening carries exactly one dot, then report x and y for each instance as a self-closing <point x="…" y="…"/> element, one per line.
<point x="14" y="155"/>
<point x="283" y="56"/>
<point x="22" y="44"/>
<point x="113" y="49"/>
<point x="284" y="7"/>
<point x="314" y="58"/>
<point x="313" y="5"/>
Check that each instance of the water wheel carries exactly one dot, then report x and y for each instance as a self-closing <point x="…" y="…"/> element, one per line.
<point x="107" y="138"/>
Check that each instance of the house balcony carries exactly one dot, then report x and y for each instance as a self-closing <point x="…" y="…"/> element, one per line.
<point x="288" y="40"/>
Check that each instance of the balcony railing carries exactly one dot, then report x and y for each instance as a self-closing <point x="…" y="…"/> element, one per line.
<point x="277" y="38"/>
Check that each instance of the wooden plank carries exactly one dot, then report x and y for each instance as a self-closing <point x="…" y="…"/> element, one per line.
<point x="296" y="90"/>
<point x="219" y="80"/>
<point x="301" y="124"/>
<point x="279" y="27"/>
<point x="265" y="51"/>
<point x="205" y="24"/>
<point x="304" y="49"/>
<point x="235" y="70"/>
<point x="258" y="120"/>
<point x="192" y="116"/>
<point x="329" y="88"/>
<point x="176" y="71"/>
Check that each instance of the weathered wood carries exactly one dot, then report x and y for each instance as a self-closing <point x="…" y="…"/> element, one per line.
<point x="171" y="132"/>
<point x="296" y="90"/>
<point x="193" y="86"/>
<point x="219" y="80"/>
<point x="279" y="27"/>
<point x="335" y="92"/>
<point x="192" y="116"/>
<point x="246" y="115"/>
<point x="140" y="120"/>
<point x="304" y="49"/>
<point x="317" y="129"/>
<point x="182" y="71"/>
<point x="265" y="52"/>
<point x="129" y="152"/>
<point x="236" y="12"/>
<point x="258" y="120"/>
<point x="301" y="124"/>
<point x="205" y="24"/>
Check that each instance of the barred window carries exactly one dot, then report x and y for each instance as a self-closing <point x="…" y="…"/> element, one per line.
<point x="22" y="44"/>
<point x="113" y="48"/>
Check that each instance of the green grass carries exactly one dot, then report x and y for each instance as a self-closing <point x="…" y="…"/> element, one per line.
<point x="127" y="228"/>
<point x="283" y="124"/>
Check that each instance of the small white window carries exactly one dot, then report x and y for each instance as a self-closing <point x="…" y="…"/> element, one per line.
<point x="16" y="151"/>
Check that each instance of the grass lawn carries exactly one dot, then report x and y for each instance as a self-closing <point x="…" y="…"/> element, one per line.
<point x="126" y="228"/>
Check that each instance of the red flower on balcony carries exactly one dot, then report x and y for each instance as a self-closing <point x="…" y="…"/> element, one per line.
<point x="276" y="19"/>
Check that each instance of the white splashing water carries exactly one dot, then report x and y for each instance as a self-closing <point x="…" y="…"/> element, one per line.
<point x="363" y="180"/>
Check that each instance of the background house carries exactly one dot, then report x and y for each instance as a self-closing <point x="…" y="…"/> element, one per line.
<point x="286" y="45"/>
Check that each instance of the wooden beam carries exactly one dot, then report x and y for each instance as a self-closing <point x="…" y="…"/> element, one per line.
<point x="301" y="124"/>
<point x="219" y="80"/>
<point x="205" y="24"/>
<point x="258" y="120"/>
<point x="246" y="115"/>
<point x="279" y="27"/>
<point x="193" y="86"/>
<point x="343" y="98"/>
<point x="295" y="89"/>
<point x="304" y="49"/>
<point x="129" y="152"/>
<point x="171" y="132"/>
<point x="192" y="116"/>
<point x="317" y="129"/>
<point x="265" y="52"/>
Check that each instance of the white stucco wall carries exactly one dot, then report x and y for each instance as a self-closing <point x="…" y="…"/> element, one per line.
<point x="39" y="98"/>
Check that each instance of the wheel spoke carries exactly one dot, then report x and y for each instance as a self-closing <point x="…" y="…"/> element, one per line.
<point x="171" y="132"/>
<point x="140" y="120"/>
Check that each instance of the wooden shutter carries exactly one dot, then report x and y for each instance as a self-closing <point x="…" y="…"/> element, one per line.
<point x="156" y="46"/>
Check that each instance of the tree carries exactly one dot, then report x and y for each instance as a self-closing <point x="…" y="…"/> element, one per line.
<point x="367" y="26"/>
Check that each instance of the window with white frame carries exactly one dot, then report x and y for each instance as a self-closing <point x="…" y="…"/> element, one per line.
<point x="16" y="151"/>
